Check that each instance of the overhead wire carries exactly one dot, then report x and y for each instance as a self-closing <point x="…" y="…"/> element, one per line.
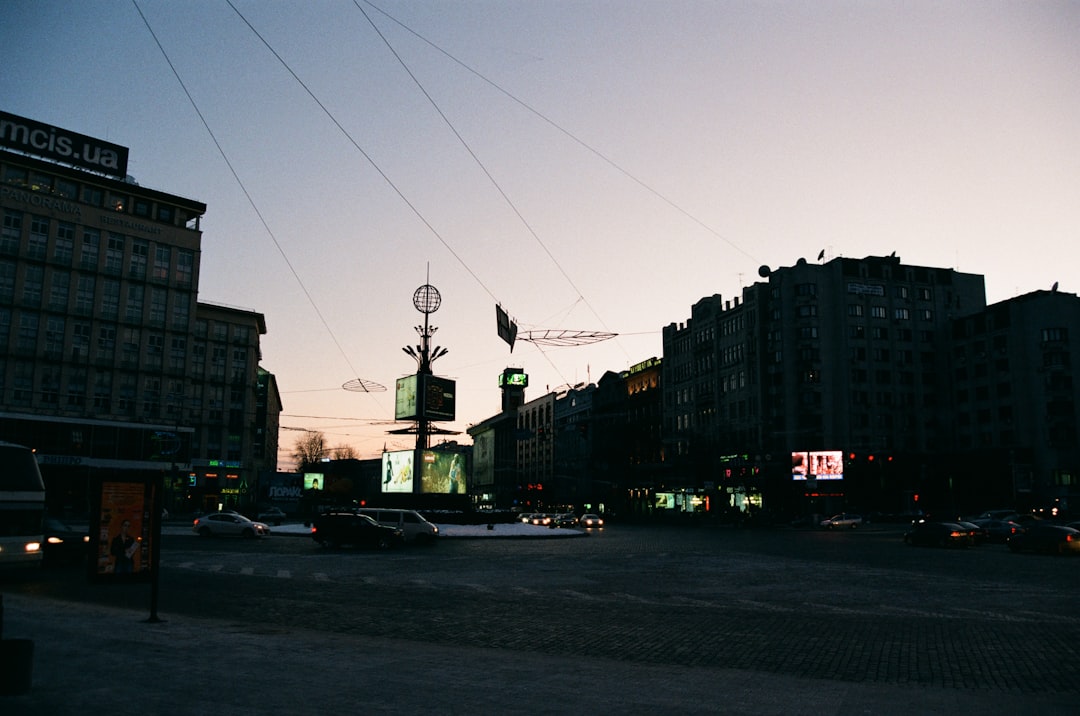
<point x="390" y="182"/>
<point x="603" y="157"/>
<point x="243" y="187"/>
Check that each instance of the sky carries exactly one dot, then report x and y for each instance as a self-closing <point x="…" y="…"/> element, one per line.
<point x="595" y="166"/>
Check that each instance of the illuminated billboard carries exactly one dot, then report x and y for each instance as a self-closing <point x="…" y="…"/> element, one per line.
<point x="424" y="396"/>
<point x="397" y="471"/>
<point x="439" y="398"/>
<point x="443" y="473"/>
<point x="405" y="405"/>
<point x="514" y="377"/>
<point x="820" y="465"/>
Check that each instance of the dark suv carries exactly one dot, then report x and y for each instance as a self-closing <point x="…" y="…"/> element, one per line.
<point x="340" y="528"/>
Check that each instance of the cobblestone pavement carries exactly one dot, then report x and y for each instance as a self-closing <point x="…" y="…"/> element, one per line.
<point x="857" y="614"/>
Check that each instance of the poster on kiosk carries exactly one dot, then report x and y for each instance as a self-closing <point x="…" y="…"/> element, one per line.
<point x="124" y="522"/>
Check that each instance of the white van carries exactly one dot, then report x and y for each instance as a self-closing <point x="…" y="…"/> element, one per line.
<point x="411" y="522"/>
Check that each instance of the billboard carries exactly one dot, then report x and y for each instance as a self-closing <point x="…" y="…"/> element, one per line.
<point x="405" y="404"/>
<point x="397" y="471"/>
<point x="819" y="464"/>
<point x="424" y="396"/>
<point x="122" y="529"/>
<point x="443" y="473"/>
<point x="44" y="140"/>
<point x="439" y="398"/>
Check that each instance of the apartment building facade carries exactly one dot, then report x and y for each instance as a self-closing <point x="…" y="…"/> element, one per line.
<point x="108" y="361"/>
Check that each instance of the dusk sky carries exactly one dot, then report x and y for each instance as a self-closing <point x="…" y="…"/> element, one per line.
<point x="591" y="166"/>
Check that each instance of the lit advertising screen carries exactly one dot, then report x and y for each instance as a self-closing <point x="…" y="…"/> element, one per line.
<point x="397" y="471"/>
<point x="314" y="481"/>
<point x="405" y="398"/>
<point x="438" y="398"/>
<point x="819" y="464"/>
<point x="443" y="473"/>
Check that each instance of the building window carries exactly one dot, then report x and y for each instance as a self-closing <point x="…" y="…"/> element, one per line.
<point x="178" y="354"/>
<point x="110" y="300"/>
<point x="84" y="296"/>
<point x="1055" y="334"/>
<point x="878" y="312"/>
<point x="33" y="280"/>
<point x="901" y="292"/>
<point x="808" y="311"/>
<point x="7" y="281"/>
<point x="880" y="333"/>
<point x="12" y="234"/>
<point x="134" y="307"/>
<point x="181" y="312"/>
<point x="114" y="254"/>
<point x="137" y="264"/>
<point x="39" y="237"/>
<point x="901" y="314"/>
<point x="925" y="294"/>
<point x="92" y="195"/>
<point x="59" y="290"/>
<point x="185" y="268"/>
<point x="28" y="333"/>
<point x="158" y="305"/>
<point x="806" y="289"/>
<point x="91" y="248"/>
<point x="855" y="310"/>
<point x="64" y="248"/>
<point x="103" y="391"/>
<point x="106" y="345"/>
<point x="161" y="263"/>
<point x="54" y="337"/>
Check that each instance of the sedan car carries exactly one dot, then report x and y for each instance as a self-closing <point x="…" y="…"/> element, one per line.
<point x="938" y="534"/>
<point x="228" y="523"/>
<point x="272" y="515"/>
<point x="999" y="531"/>
<point x="1047" y="538"/>
<point x="334" y="529"/>
<point x="846" y="519"/>
<point x="64" y="544"/>
<point x="541" y="520"/>
<point x="591" y="521"/>
<point x="568" y="519"/>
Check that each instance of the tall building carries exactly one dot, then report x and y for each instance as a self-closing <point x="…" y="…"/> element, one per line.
<point x="1016" y="418"/>
<point x="108" y="361"/>
<point x="850" y="356"/>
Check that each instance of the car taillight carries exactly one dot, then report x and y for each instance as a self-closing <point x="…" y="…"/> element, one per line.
<point x="956" y="534"/>
<point x="1068" y="538"/>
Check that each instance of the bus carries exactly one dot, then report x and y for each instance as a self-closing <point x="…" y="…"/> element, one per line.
<point x="22" y="508"/>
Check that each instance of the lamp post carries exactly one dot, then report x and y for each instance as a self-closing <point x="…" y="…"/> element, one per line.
<point x="426" y="300"/>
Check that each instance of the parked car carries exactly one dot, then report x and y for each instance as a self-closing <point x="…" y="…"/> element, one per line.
<point x="845" y="519"/>
<point x="229" y="523"/>
<point x="1047" y="538"/>
<point x="995" y="515"/>
<point x="541" y="520"/>
<point x="272" y="515"/>
<point x="978" y="533"/>
<point x="335" y="529"/>
<point x="411" y="523"/>
<point x="64" y="544"/>
<point x="938" y="534"/>
<point x="999" y="531"/>
<point x="568" y="519"/>
<point x="591" y="521"/>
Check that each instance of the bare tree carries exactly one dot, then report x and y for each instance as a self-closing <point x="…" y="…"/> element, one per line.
<point x="309" y="449"/>
<point x="344" y="452"/>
